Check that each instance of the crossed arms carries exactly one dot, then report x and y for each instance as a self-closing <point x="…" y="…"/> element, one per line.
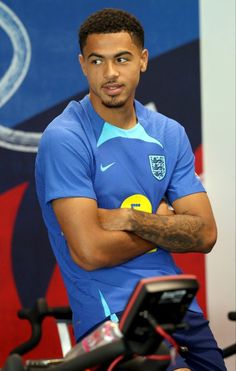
<point x="100" y="238"/>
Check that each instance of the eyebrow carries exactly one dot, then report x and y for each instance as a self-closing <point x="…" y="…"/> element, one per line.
<point x="123" y="52"/>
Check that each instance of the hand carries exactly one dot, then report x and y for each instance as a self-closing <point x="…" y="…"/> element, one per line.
<point x="118" y="220"/>
<point x="114" y="219"/>
<point x="163" y="209"/>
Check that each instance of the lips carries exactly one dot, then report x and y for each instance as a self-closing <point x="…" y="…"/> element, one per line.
<point x="112" y="88"/>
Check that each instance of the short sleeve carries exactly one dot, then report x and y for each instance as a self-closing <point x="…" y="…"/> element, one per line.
<point x="184" y="180"/>
<point x="65" y="165"/>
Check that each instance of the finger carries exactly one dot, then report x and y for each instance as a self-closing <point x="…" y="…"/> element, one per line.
<point x="163" y="209"/>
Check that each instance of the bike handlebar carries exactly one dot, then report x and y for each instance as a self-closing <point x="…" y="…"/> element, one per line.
<point x="35" y="316"/>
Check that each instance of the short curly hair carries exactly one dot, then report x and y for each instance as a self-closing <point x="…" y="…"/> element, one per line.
<point x="111" y="20"/>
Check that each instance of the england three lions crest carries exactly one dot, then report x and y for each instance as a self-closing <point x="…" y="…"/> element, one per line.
<point x="158" y="166"/>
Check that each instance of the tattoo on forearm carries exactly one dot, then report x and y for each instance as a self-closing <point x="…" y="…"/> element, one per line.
<point x="178" y="233"/>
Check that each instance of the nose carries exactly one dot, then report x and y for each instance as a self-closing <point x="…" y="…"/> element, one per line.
<point x="110" y="70"/>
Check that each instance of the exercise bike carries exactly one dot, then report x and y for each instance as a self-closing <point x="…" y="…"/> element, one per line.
<point x="154" y="311"/>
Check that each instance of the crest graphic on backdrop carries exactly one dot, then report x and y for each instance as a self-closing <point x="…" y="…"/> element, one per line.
<point x="16" y="140"/>
<point x="158" y="166"/>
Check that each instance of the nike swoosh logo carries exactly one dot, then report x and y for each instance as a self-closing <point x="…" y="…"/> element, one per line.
<point x="104" y="168"/>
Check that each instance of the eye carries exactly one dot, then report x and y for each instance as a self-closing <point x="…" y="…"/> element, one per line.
<point x="122" y="60"/>
<point x="96" y="61"/>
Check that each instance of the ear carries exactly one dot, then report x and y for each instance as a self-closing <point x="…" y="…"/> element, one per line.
<point x="82" y="64"/>
<point x="144" y="60"/>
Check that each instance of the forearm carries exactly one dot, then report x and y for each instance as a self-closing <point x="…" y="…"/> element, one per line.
<point x="97" y="248"/>
<point x="91" y="244"/>
<point x="118" y="247"/>
<point x="175" y="233"/>
<point x="108" y="248"/>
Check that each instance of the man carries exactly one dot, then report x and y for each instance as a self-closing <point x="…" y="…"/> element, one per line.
<point x="103" y="167"/>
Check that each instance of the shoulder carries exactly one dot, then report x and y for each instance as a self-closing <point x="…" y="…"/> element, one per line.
<point x="66" y="135"/>
<point x="66" y="126"/>
<point x="157" y="123"/>
<point x="154" y="117"/>
<point x="69" y="118"/>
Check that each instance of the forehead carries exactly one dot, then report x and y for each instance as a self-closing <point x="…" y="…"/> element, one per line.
<point x="110" y="44"/>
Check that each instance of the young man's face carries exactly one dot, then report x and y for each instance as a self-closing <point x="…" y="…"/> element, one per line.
<point x="112" y="64"/>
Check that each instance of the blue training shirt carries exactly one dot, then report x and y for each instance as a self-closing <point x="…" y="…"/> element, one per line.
<point x="80" y="155"/>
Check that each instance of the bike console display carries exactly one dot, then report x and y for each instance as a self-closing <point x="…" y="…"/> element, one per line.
<point x="156" y="301"/>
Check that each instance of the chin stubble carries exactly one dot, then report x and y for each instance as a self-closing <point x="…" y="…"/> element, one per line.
<point x="113" y="103"/>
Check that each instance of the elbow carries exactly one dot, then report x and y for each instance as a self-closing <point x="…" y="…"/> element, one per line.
<point x="90" y="261"/>
<point x="209" y="240"/>
<point x="206" y="248"/>
<point x="90" y="265"/>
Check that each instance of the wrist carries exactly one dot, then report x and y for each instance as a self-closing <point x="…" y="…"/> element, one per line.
<point x="131" y="219"/>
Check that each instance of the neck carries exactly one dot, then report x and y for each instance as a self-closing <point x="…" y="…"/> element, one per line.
<point x="123" y="117"/>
